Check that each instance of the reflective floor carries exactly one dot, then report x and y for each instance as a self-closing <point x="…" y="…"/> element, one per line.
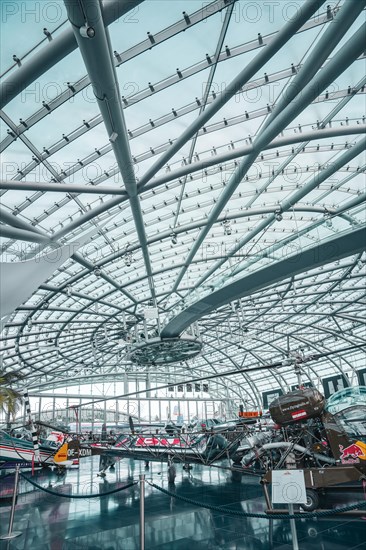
<point x="111" y="523"/>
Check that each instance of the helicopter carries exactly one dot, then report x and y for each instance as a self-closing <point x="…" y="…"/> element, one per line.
<point x="325" y="439"/>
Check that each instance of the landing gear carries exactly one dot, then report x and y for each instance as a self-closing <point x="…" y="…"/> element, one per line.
<point x="172" y="473"/>
<point x="312" y="501"/>
<point x="105" y="462"/>
<point x="146" y="464"/>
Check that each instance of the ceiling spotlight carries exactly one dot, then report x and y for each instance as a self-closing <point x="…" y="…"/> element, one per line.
<point x="173" y="238"/>
<point x="113" y="137"/>
<point x="227" y="227"/>
<point x="97" y="271"/>
<point x="278" y="215"/>
<point x="86" y="31"/>
<point x="69" y="290"/>
<point x="328" y="219"/>
<point x="128" y="259"/>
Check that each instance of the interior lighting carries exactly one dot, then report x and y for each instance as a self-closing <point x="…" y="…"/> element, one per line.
<point x="278" y="215"/>
<point x="227" y="227"/>
<point x="128" y="259"/>
<point x="86" y="31"/>
<point x="328" y="219"/>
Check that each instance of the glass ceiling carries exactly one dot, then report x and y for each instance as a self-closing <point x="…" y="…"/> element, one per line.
<point x="214" y="155"/>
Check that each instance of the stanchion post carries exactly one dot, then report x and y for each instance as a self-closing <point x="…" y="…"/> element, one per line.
<point x="291" y="465"/>
<point x="295" y="543"/>
<point x="266" y="495"/>
<point x="142" y="512"/>
<point x="11" y="534"/>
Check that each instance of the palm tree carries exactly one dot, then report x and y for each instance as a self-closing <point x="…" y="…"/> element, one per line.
<point x="10" y="399"/>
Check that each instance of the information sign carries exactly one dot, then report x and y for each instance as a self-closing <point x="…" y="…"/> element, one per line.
<point x="288" y="486"/>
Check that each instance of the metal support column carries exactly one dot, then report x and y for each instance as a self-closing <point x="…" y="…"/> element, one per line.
<point x="142" y="512"/>
<point x="80" y="413"/>
<point x="39" y="408"/>
<point x="92" y="420"/>
<point x="13" y="534"/>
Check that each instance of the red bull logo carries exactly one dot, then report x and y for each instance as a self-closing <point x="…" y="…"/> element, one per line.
<point x="353" y="453"/>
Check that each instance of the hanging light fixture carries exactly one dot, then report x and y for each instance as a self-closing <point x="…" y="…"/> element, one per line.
<point x="227" y="227"/>
<point x="128" y="259"/>
<point x="278" y="215"/>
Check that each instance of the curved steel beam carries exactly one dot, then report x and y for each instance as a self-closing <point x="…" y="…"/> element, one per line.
<point x="328" y="119"/>
<point x="278" y="364"/>
<point x="15" y="221"/>
<point x="328" y="251"/>
<point x="97" y="55"/>
<point x="206" y="11"/>
<point x="342" y="21"/>
<point x="185" y="170"/>
<point x="23" y="235"/>
<point x="201" y="166"/>
<point x="113" y="257"/>
<point x="336" y="66"/>
<point x="308" y="8"/>
<point x="288" y="203"/>
<point x="55" y="51"/>
<point x="205" y="97"/>
<point x="248" y="149"/>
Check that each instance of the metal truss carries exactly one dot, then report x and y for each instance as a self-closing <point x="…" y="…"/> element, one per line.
<point x="241" y="223"/>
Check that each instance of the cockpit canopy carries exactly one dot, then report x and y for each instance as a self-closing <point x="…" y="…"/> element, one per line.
<point x="349" y="407"/>
<point x="346" y="398"/>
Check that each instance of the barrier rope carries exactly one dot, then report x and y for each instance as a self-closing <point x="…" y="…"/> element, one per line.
<point x="302" y="515"/>
<point x="96" y="495"/>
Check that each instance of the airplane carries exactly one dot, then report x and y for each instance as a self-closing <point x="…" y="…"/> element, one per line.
<point x="185" y="447"/>
<point x="327" y="442"/>
<point x="202" y="441"/>
<point x="19" y="449"/>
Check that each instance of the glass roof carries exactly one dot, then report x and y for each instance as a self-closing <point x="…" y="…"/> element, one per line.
<point x="208" y="161"/>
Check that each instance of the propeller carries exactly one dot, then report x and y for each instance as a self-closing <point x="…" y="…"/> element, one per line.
<point x="132" y="426"/>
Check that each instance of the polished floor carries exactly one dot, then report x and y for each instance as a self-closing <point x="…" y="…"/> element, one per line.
<point x="112" y="523"/>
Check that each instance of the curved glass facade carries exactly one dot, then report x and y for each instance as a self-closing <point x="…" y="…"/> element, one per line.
<point x="183" y="169"/>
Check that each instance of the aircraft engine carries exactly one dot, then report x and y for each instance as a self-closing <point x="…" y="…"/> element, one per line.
<point x="296" y="406"/>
